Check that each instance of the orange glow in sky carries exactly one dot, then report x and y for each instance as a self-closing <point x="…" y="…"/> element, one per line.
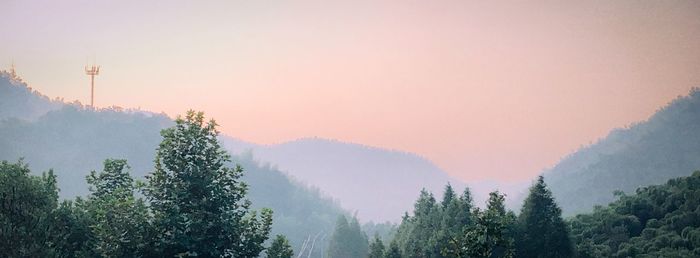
<point x="486" y="90"/>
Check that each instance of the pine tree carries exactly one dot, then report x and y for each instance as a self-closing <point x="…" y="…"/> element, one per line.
<point x="488" y="237"/>
<point x="543" y="233"/>
<point x="465" y="208"/>
<point x="340" y="239"/>
<point x="376" y="248"/>
<point x="420" y="240"/>
<point x="347" y="240"/>
<point x="280" y="248"/>
<point x="449" y="226"/>
<point x="198" y="202"/>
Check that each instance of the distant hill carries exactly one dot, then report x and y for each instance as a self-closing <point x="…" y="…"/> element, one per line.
<point x="19" y="100"/>
<point x="379" y="184"/>
<point x="665" y="146"/>
<point x="73" y="140"/>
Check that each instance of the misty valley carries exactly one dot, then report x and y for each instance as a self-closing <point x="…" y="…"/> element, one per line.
<point x="350" y="129"/>
<point x="77" y="181"/>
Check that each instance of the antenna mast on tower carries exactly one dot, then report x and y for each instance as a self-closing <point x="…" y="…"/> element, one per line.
<point x="92" y="71"/>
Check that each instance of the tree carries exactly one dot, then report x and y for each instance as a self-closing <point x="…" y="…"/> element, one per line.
<point x="436" y="229"/>
<point x="27" y="203"/>
<point x="198" y="202"/>
<point x="280" y="248"/>
<point x="489" y="237"/>
<point x="393" y="251"/>
<point x="120" y="221"/>
<point x="71" y="234"/>
<point x="420" y="232"/>
<point x="376" y="248"/>
<point x="347" y="240"/>
<point x="543" y="233"/>
<point x="656" y="221"/>
<point x="454" y="219"/>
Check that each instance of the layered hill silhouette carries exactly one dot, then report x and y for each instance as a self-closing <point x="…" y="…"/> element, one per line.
<point x="665" y="146"/>
<point x="73" y="140"/>
<point x="379" y="184"/>
<point x="19" y="100"/>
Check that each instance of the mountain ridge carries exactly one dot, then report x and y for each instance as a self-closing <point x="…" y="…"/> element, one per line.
<point x="665" y="146"/>
<point x="362" y="177"/>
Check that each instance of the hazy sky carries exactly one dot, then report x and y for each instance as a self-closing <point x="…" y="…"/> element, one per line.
<point x="486" y="90"/>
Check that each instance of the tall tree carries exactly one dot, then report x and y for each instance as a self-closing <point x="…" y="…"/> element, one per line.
<point x="27" y="203"/>
<point x="280" y="248"/>
<point x="347" y="240"/>
<point x="376" y="248"/>
<point x="449" y="226"/>
<point x="543" y="233"/>
<point x="393" y="251"/>
<point x="120" y="220"/>
<point x="71" y="233"/>
<point x="489" y="237"/>
<point x="198" y="202"/>
<point x="420" y="240"/>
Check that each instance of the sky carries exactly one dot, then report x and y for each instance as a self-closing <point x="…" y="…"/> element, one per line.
<point x="487" y="90"/>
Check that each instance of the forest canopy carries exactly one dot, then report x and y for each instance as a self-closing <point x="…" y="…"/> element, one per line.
<point x="195" y="205"/>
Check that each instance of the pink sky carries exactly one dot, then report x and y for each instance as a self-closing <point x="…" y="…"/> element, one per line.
<point x="485" y="90"/>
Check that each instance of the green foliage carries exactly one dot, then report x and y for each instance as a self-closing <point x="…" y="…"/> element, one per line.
<point x="376" y="248"/>
<point x="455" y="228"/>
<point x="542" y="231"/>
<point x="348" y="240"/>
<point x="300" y="212"/>
<point x="120" y="222"/>
<point x="197" y="201"/>
<point x="280" y="248"/>
<point x="26" y="211"/>
<point x="74" y="140"/>
<point x="196" y="209"/>
<point x="658" y="221"/>
<point x="393" y="251"/>
<point x="71" y="234"/>
<point x="491" y="236"/>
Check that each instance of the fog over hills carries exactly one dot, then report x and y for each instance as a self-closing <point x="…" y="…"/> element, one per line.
<point x="665" y="146"/>
<point x="20" y="100"/>
<point x="73" y="140"/>
<point x="379" y="184"/>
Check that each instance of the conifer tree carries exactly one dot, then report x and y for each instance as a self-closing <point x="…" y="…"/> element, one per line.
<point x="543" y="233"/>
<point x="280" y="248"/>
<point x="393" y="251"/>
<point x="376" y="248"/>
<point x="420" y="240"/>
<point x="198" y="202"/>
<point x="348" y="240"/>
<point x="489" y="238"/>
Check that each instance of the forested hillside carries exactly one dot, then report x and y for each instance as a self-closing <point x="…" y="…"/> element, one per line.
<point x="355" y="174"/>
<point x="19" y="100"/>
<point x="650" y="152"/>
<point x="74" y="140"/>
<point x="656" y="221"/>
<point x="454" y="227"/>
<point x="192" y="204"/>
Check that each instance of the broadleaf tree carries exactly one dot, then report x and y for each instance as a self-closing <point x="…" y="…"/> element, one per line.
<point x="198" y="201"/>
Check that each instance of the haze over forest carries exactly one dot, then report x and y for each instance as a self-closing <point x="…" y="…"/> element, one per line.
<point x="363" y="129"/>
